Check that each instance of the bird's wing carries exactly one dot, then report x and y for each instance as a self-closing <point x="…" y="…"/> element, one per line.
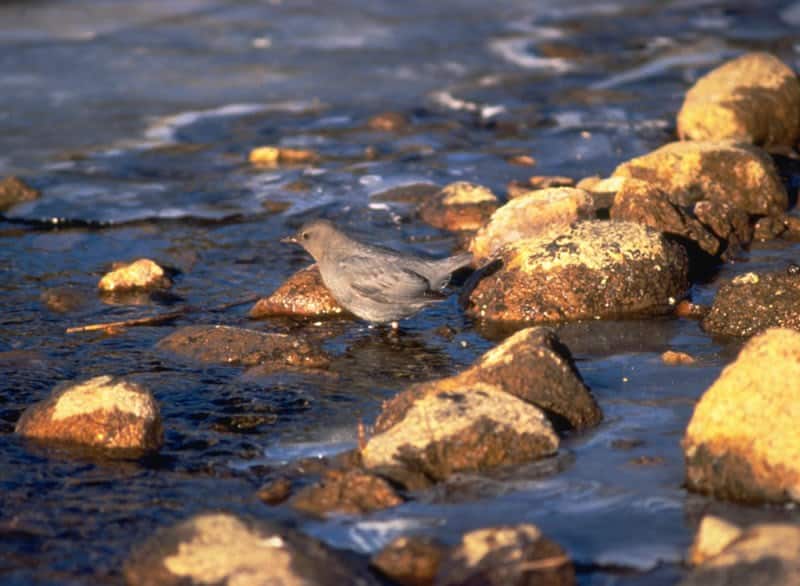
<point x="384" y="281"/>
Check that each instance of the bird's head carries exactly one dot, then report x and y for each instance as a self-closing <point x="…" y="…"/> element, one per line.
<point x="315" y="236"/>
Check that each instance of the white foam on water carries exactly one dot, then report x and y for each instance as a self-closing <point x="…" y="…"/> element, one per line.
<point x="447" y="100"/>
<point x="517" y="50"/>
<point x="367" y="536"/>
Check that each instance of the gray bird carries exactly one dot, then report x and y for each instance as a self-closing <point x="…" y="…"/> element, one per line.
<point x="375" y="283"/>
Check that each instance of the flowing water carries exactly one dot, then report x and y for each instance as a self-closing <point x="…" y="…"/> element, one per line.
<point x="135" y="120"/>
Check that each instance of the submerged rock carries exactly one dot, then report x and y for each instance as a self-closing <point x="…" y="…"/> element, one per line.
<point x="140" y="274"/>
<point x="102" y="412"/>
<point x="752" y="302"/>
<point x="389" y="122"/>
<point x="538" y="213"/>
<point x="533" y="365"/>
<point x="458" y="428"/>
<point x="410" y="193"/>
<point x="13" y="191"/>
<point x="763" y="555"/>
<point x="64" y="299"/>
<point x="739" y="174"/>
<point x="301" y="295"/>
<point x="743" y="441"/>
<point x="753" y="98"/>
<point x="459" y="206"/>
<point x="516" y="555"/>
<point x="410" y="561"/>
<point x="273" y="155"/>
<point x="230" y="345"/>
<point x="350" y="492"/>
<point x="220" y="548"/>
<point x="596" y="269"/>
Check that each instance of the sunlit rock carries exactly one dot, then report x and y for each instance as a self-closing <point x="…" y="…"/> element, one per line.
<point x="459" y="206"/>
<point x="141" y="274"/>
<point x="301" y="295"/>
<point x="346" y="491"/>
<point x="13" y="191"/>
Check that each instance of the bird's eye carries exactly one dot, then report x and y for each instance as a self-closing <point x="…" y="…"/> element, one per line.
<point x="305" y="235"/>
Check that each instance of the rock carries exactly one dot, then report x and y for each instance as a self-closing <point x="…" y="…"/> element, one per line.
<point x="677" y="358"/>
<point x="275" y="492"/>
<point x="763" y="555"/>
<point x="728" y="223"/>
<point x="459" y="206"/>
<point x="270" y="156"/>
<point x="230" y="345"/>
<point x="546" y="212"/>
<point x="691" y="310"/>
<point x="535" y="182"/>
<point x="410" y="193"/>
<point x="459" y="428"/>
<point x="103" y="412"/>
<point x="389" y="122"/>
<point x="769" y="228"/>
<point x="140" y="274"/>
<point x="522" y="160"/>
<point x="506" y="556"/>
<point x="754" y="98"/>
<point x="351" y="492"/>
<point x="602" y="190"/>
<point x="13" y="191"/>
<point x="301" y="295"/>
<point x="727" y="172"/>
<point x="220" y="548"/>
<point x="533" y="365"/>
<point x="743" y="442"/>
<point x="64" y="299"/>
<point x="410" y="561"/>
<point x="752" y="302"/>
<point x="713" y="536"/>
<point x="643" y="202"/>
<point x="596" y="269"/>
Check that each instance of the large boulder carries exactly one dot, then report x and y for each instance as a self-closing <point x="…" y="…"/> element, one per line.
<point x="754" y="98"/>
<point x="596" y="269"/>
<point x="743" y="441"/>
<point x="220" y="548"/>
<point x="103" y="412"/>
<point x="725" y="171"/>
<point x="537" y="213"/>
<point x="753" y="302"/>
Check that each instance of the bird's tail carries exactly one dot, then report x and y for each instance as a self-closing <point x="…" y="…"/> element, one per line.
<point x="446" y="266"/>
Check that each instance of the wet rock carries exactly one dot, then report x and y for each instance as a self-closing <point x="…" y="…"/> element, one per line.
<point x="594" y="270"/>
<point x="459" y="428"/>
<point x="743" y="441"/>
<point x="763" y="555"/>
<point x="270" y="156"/>
<point x="728" y="223"/>
<point x="643" y="202"/>
<point x="677" y="358"/>
<point x="713" y="536"/>
<point x="522" y="160"/>
<point x="13" y="191"/>
<point x="752" y="302"/>
<point x="103" y="412"/>
<point x="459" y="206"/>
<point x="230" y="345"/>
<point x="64" y="299"/>
<point x="769" y="228"/>
<point x="220" y="548"/>
<point x="735" y="173"/>
<point x="691" y="310"/>
<point x="389" y="122"/>
<point x="410" y="561"/>
<point x="539" y="213"/>
<point x="506" y="556"/>
<point x="351" y="492"/>
<point x="792" y="228"/>
<point x="141" y="274"/>
<point x="275" y="492"/>
<point x="754" y="98"/>
<point x="302" y="295"/>
<point x="533" y="365"/>
<point x="517" y="189"/>
<point x="412" y="193"/>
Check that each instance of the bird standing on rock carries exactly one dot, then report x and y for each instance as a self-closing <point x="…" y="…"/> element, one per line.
<point x="375" y="283"/>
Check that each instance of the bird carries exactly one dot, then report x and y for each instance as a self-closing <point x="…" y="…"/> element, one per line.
<point x="376" y="284"/>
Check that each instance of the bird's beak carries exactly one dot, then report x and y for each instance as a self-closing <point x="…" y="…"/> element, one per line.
<point x="289" y="240"/>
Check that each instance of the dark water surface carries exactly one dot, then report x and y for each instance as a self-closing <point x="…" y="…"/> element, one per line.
<point x="135" y="120"/>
